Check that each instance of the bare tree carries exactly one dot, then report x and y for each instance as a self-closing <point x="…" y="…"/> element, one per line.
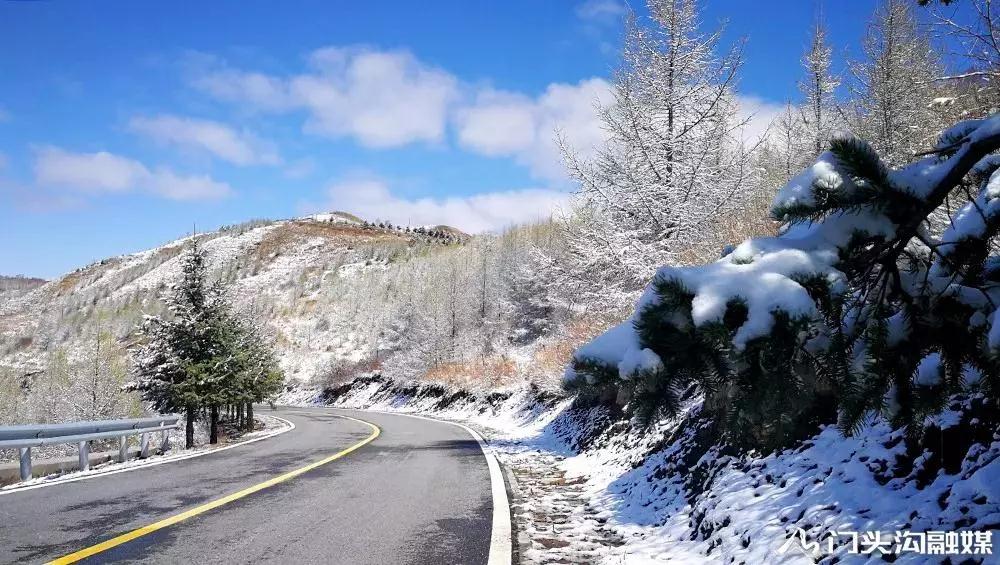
<point x="674" y="158"/>
<point x="895" y="88"/>
<point x="977" y="35"/>
<point x="818" y="89"/>
<point x="96" y="392"/>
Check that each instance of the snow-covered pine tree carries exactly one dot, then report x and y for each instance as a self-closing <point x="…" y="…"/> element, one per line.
<point x="674" y="157"/>
<point x="529" y="306"/>
<point x="176" y="368"/>
<point x="854" y="308"/>
<point x="895" y="86"/>
<point x="257" y="376"/>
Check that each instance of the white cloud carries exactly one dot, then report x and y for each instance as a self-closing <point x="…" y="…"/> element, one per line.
<point x="168" y="184"/>
<point x="103" y="172"/>
<point x="499" y="123"/>
<point x="601" y="11"/>
<point x="509" y="124"/>
<point x="371" y="198"/>
<point x="759" y="114"/>
<point x="240" y="148"/>
<point x="256" y="90"/>
<point x="380" y="98"/>
<point x="387" y="99"/>
<point x="383" y="99"/>
<point x="89" y="172"/>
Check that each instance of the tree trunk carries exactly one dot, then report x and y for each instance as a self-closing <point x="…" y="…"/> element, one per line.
<point x="250" y="424"/>
<point x="189" y="429"/>
<point x="214" y="434"/>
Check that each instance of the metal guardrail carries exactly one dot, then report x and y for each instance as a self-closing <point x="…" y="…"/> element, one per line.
<point x="24" y="438"/>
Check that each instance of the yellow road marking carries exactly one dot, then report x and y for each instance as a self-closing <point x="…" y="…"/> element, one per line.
<point x="127" y="537"/>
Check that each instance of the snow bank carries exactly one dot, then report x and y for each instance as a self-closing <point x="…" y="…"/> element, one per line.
<point x="599" y="491"/>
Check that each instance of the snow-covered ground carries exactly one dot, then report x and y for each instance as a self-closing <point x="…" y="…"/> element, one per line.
<point x="591" y="489"/>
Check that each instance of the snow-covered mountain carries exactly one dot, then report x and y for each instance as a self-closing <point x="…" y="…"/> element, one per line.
<point x="315" y="279"/>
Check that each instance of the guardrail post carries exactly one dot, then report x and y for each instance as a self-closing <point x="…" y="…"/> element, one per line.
<point x="84" y="456"/>
<point x="27" y="437"/>
<point x="25" y="453"/>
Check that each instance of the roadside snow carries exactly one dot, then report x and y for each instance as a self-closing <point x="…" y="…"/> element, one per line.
<point x="593" y="490"/>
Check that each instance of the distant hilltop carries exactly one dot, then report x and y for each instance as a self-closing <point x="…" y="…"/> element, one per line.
<point x="440" y="230"/>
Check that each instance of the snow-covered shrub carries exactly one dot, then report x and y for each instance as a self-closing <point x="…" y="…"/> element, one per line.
<point x="854" y="310"/>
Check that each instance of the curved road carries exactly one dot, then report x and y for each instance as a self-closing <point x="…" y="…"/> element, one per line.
<point x="419" y="493"/>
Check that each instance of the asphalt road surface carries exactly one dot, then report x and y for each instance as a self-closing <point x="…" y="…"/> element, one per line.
<point x="419" y="493"/>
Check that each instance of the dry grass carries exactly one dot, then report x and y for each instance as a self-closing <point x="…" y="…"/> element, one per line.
<point x="751" y="220"/>
<point x="551" y="357"/>
<point x="68" y="283"/>
<point x="545" y="367"/>
<point x="339" y="373"/>
<point x="284" y="237"/>
<point x="490" y="372"/>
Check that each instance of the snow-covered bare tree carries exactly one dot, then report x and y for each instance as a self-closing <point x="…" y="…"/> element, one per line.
<point x="47" y="390"/>
<point x="96" y="392"/>
<point x="779" y="155"/>
<point x="674" y="158"/>
<point x="12" y="397"/>
<point x="818" y="88"/>
<point x="895" y="86"/>
<point x="975" y="26"/>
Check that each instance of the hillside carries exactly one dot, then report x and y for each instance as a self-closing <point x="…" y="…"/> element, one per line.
<point x="310" y="278"/>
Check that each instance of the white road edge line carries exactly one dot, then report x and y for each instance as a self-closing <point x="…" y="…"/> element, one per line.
<point x="501" y="537"/>
<point x="12" y="489"/>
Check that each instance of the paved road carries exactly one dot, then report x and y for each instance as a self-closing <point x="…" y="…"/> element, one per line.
<point x="420" y="493"/>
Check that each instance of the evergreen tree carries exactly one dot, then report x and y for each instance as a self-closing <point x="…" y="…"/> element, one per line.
<point x="531" y="307"/>
<point x="179" y="366"/>
<point x="257" y="376"/>
<point x="855" y="307"/>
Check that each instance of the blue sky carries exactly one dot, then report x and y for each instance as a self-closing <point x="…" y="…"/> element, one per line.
<point x="123" y="124"/>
